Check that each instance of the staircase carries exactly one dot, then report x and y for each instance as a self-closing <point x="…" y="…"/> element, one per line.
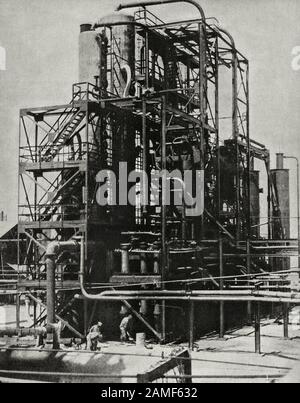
<point x="62" y="137"/>
<point x="49" y="211"/>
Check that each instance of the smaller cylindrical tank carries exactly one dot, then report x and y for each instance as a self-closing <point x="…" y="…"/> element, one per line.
<point x="92" y="56"/>
<point x="281" y="224"/>
<point x="123" y="47"/>
<point x="281" y="181"/>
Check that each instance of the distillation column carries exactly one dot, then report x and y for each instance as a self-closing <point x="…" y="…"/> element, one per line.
<point x="281" y="181"/>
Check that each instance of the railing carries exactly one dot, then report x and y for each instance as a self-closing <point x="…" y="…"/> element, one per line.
<point x="85" y="92"/>
<point x="55" y="214"/>
<point x="148" y="17"/>
<point x="27" y="153"/>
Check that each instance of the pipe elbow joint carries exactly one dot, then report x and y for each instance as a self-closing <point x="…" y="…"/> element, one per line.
<point x="52" y="249"/>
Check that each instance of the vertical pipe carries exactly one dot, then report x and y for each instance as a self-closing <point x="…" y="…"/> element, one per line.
<point x="222" y="304"/>
<point x="257" y="329"/>
<point x="248" y="157"/>
<point x="279" y="161"/>
<point x="147" y="60"/>
<point x="50" y="264"/>
<point x="36" y="210"/>
<point x="86" y="185"/>
<point x="111" y="61"/>
<point x="143" y="263"/>
<point x="19" y="187"/>
<point x="164" y="208"/>
<point x="164" y="189"/>
<point x="235" y="134"/>
<point x="298" y="204"/>
<point x="153" y="59"/>
<point x="191" y="324"/>
<point x="269" y="199"/>
<point x="85" y="316"/>
<point x="156" y="264"/>
<point x="36" y="160"/>
<point x="183" y="221"/>
<point x="235" y="130"/>
<point x="125" y="259"/>
<point x="221" y="260"/>
<point x="187" y="364"/>
<point x="298" y="210"/>
<point x="18" y="321"/>
<point x="145" y="198"/>
<point x="163" y="318"/>
<point x="285" y="311"/>
<point x="249" y="305"/>
<point x="217" y="106"/>
<point x="202" y="77"/>
<point x="34" y="314"/>
<point x="188" y="83"/>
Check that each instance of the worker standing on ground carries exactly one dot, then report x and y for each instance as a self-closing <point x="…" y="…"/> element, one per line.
<point x="95" y="335"/>
<point x="126" y="328"/>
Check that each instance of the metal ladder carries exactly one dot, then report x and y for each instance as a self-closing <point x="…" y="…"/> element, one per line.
<point x="63" y="136"/>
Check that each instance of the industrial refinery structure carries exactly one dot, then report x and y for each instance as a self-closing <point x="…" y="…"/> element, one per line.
<point x="159" y="97"/>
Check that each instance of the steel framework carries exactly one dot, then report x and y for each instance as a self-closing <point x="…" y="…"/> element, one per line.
<point x="174" y="114"/>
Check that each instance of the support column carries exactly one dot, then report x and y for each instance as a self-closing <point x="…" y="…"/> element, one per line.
<point x="285" y="311"/>
<point x="50" y="264"/>
<point x="222" y="304"/>
<point x="156" y="264"/>
<point x="235" y="134"/>
<point x="203" y="101"/>
<point x="191" y="324"/>
<point x="18" y="321"/>
<point x="125" y="258"/>
<point x="34" y="314"/>
<point x="257" y="329"/>
<point x="164" y="189"/>
<point x="249" y="305"/>
<point x="145" y="198"/>
<point x="85" y="314"/>
<point x="144" y="269"/>
<point x="163" y="318"/>
<point x="164" y="250"/>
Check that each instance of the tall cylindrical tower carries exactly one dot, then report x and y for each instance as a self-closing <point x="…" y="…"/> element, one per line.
<point x="120" y="31"/>
<point x="281" y="181"/>
<point x="281" y="224"/>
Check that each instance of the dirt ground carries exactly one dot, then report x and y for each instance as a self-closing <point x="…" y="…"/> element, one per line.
<point x="232" y="359"/>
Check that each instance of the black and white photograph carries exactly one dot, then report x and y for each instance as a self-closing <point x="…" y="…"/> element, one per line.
<point x="150" y="194"/>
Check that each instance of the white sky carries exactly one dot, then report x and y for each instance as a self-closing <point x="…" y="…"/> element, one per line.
<point x="41" y="42"/>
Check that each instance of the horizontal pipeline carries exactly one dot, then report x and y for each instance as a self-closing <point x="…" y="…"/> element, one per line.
<point x="9" y="331"/>
<point x="191" y="298"/>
